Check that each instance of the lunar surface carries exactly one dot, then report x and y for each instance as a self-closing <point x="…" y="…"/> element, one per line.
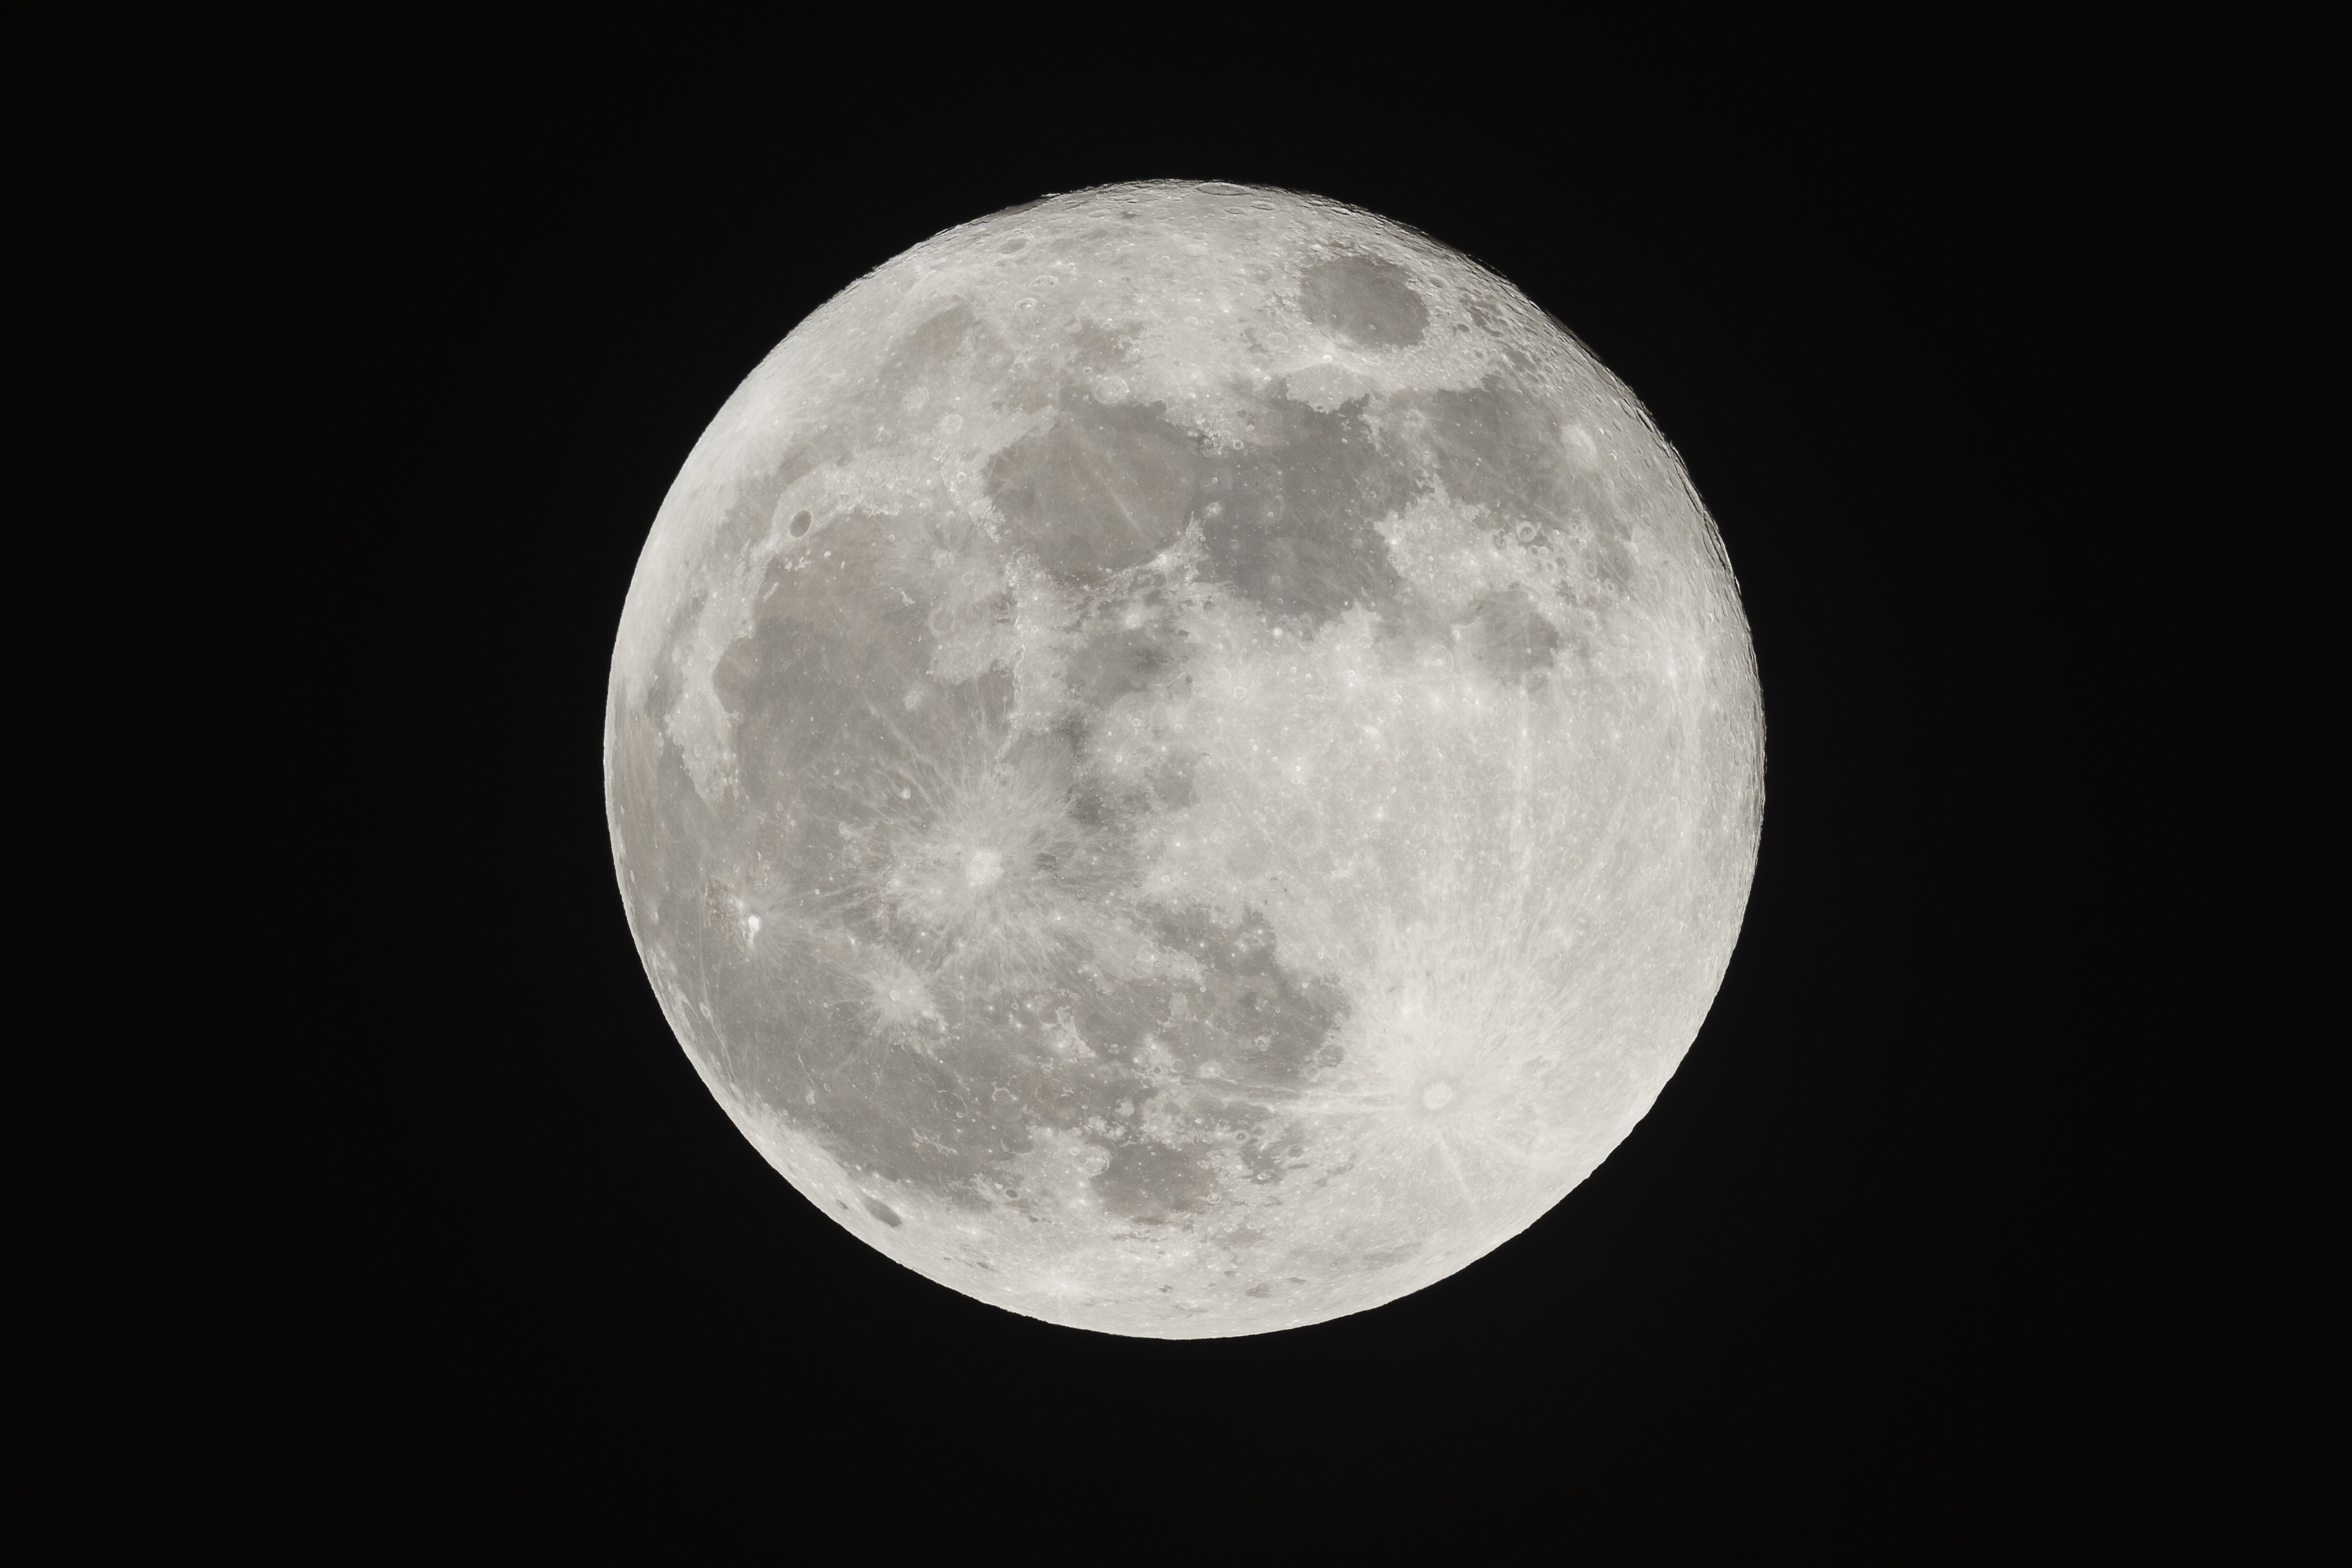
<point x="1183" y="761"/>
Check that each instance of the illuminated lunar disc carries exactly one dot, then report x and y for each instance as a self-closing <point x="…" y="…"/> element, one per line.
<point x="1182" y="761"/>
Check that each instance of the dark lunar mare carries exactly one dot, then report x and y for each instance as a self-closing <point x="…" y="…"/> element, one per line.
<point x="1498" y="445"/>
<point x="1367" y="302"/>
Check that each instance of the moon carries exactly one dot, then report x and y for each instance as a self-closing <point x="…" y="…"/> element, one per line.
<point x="1183" y="761"/>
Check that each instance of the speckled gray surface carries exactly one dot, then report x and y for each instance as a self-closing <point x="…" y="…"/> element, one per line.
<point x="1182" y="761"/>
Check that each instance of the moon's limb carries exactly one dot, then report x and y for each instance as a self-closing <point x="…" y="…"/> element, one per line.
<point x="1183" y="761"/>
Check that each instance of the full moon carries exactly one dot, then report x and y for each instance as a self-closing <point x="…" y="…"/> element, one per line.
<point x="1183" y="760"/>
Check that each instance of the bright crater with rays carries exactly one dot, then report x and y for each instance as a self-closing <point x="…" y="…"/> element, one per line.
<point x="1182" y="761"/>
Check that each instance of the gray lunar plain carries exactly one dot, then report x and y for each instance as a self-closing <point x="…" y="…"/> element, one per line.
<point x="1182" y="761"/>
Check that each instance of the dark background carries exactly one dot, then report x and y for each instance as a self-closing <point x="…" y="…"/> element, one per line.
<point x="1843" y="1252"/>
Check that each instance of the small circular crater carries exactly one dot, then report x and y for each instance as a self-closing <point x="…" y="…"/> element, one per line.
<point x="801" y="521"/>
<point x="1526" y="533"/>
<point x="1437" y="1096"/>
